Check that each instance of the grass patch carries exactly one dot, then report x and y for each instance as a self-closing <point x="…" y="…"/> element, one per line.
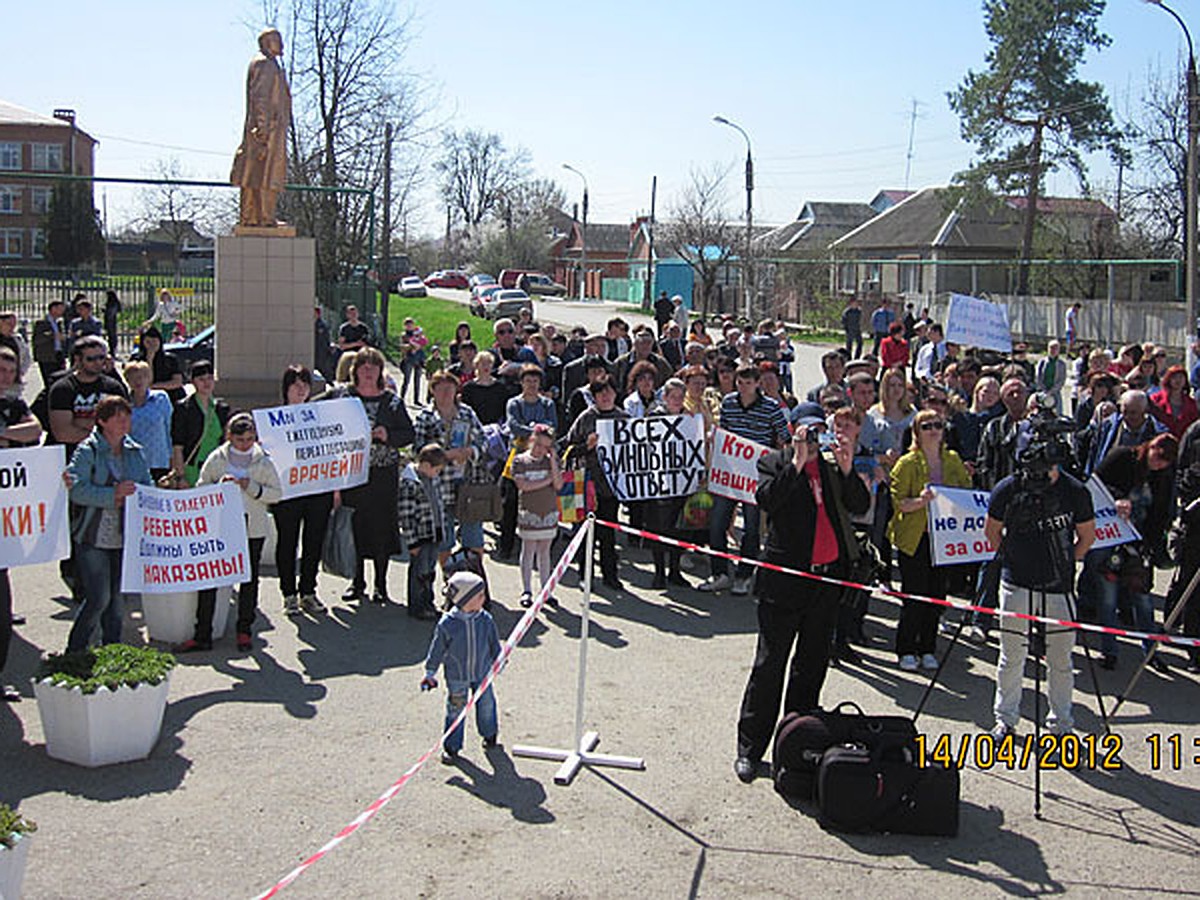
<point x="110" y="666"/>
<point x="13" y="824"/>
<point x="438" y="318"/>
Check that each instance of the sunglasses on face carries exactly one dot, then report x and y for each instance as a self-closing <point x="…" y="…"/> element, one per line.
<point x="504" y="331"/>
<point x="932" y="426"/>
<point x="97" y="358"/>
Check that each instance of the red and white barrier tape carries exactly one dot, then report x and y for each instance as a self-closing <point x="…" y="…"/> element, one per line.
<point x="901" y="595"/>
<point x="506" y="649"/>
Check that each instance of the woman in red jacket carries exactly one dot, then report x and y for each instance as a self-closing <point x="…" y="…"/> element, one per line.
<point x="893" y="349"/>
<point x="1173" y="404"/>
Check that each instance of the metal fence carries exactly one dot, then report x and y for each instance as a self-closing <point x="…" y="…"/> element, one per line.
<point x="29" y="292"/>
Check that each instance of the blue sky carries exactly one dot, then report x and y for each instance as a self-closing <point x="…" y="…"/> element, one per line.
<point x="621" y="90"/>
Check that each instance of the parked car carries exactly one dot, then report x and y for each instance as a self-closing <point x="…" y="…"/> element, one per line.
<point x="506" y="303"/>
<point x="197" y="347"/>
<point x="537" y="283"/>
<point x="479" y="279"/>
<point x="447" y="279"/>
<point x="478" y="295"/>
<point x="412" y="286"/>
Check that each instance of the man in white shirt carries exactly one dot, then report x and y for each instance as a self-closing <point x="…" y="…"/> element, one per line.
<point x="930" y="354"/>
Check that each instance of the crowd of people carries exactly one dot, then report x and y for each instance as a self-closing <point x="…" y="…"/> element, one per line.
<point x="855" y="460"/>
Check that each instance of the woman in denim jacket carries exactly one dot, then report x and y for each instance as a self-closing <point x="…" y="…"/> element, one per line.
<point x="102" y="474"/>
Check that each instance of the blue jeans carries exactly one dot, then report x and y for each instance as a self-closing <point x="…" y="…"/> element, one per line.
<point x="1106" y="612"/>
<point x="422" y="564"/>
<point x="100" y="574"/>
<point x="469" y="534"/>
<point x="718" y="525"/>
<point x="485" y="714"/>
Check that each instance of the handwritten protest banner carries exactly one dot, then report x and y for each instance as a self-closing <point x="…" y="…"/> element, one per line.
<point x="653" y="457"/>
<point x="734" y="469"/>
<point x="184" y="540"/>
<point x="978" y="323"/>
<point x="316" y="447"/>
<point x="34" y="527"/>
<point x="956" y="519"/>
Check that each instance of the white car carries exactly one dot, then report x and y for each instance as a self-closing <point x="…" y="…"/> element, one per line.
<point x="412" y="286"/>
<point x="506" y="303"/>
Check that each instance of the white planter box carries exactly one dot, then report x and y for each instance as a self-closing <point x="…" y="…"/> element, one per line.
<point x="171" y="618"/>
<point x="12" y="867"/>
<point x="101" y="728"/>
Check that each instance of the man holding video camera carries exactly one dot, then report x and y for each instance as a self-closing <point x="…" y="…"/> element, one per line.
<point x="1042" y="521"/>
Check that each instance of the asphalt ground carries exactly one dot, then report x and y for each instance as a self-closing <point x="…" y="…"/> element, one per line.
<point x="265" y="756"/>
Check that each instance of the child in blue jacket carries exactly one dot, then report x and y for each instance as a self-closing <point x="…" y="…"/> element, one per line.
<point x="466" y="643"/>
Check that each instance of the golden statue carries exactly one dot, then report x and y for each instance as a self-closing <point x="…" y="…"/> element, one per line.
<point x="260" y="166"/>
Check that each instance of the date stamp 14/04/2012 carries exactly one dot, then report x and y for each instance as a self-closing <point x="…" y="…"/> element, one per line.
<point x="1172" y="752"/>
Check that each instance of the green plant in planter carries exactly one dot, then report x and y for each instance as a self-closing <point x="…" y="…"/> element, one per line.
<point x="12" y="824"/>
<point x="109" y="666"/>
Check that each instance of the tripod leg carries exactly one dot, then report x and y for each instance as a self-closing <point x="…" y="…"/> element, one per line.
<point x="1038" y="629"/>
<point x="1171" y="620"/>
<point x="1087" y="652"/>
<point x="954" y="639"/>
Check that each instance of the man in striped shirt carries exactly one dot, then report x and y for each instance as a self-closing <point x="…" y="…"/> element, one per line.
<point x="751" y="415"/>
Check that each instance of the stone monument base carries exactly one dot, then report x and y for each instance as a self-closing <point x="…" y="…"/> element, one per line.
<point x="280" y="230"/>
<point x="266" y="289"/>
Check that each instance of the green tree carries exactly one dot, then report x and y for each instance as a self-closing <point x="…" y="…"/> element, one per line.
<point x="1028" y="112"/>
<point x="73" y="233"/>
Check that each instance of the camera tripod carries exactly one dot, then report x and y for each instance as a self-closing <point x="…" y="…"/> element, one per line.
<point x="1036" y="631"/>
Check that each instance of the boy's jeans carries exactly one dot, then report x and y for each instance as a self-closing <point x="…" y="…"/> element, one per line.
<point x="422" y="565"/>
<point x="485" y="713"/>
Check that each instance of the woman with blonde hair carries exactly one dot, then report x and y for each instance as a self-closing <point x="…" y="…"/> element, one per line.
<point x="927" y="463"/>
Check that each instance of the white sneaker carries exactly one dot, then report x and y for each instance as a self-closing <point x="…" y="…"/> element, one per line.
<point x="741" y="586"/>
<point x="291" y="605"/>
<point x="908" y="662"/>
<point x="929" y="661"/>
<point x="714" y="583"/>
<point x="311" y="604"/>
<point x="1000" y="731"/>
<point x="978" y="635"/>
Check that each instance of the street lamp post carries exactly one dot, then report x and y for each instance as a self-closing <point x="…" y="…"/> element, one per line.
<point x="747" y="267"/>
<point x="1189" y="230"/>
<point x="583" y="255"/>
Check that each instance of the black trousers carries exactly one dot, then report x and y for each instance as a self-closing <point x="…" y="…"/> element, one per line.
<point x="661" y="518"/>
<point x="606" y="539"/>
<point x="803" y="624"/>
<point x="310" y="514"/>
<point x="917" y="631"/>
<point x="247" y="600"/>
<point x="6" y="606"/>
<point x="508" y="517"/>
<point x="1189" y="561"/>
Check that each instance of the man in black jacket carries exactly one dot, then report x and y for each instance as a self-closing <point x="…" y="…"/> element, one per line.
<point x="809" y="498"/>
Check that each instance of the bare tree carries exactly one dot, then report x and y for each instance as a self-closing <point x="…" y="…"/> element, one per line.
<point x="699" y="229"/>
<point x="1157" y="194"/>
<point x="345" y="61"/>
<point x="176" y="210"/>
<point x="477" y="173"/>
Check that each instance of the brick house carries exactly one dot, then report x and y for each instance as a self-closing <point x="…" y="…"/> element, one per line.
<point x="34" y="143"/>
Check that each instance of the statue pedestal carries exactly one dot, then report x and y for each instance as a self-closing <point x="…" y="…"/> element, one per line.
<point x="282" y="230"/>
<point x="266" y="288"/>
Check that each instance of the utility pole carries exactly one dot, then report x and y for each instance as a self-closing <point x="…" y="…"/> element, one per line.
<point x="583" y="252"/>
<point x="912" y="130"/>
<point x="386" y="264"/>
<point x="648" y="294"/>
<point x="747" y="264"/>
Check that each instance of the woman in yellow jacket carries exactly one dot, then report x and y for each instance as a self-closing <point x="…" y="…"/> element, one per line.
<point x="926" y="463"/>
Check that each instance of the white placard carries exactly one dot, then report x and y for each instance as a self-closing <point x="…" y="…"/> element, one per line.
<point x="733" y="471"/>
<point x="972" y="322"/>
<point x="956" y="519"/>
<point x="653" y="457"/>
<point x="316" y="447"/>
<point x="34" y="525"/>
<point x="184" y="540"/>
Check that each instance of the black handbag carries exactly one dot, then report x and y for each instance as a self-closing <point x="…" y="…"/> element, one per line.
<point x="478" y="500"/>
<point x="338" y="553"/>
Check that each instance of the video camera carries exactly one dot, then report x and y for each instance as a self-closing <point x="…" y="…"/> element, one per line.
<point x="1047" y="445"/>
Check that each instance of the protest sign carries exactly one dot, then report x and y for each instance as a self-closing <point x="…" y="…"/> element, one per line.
<point x="956" y="519"/>
<point x="34" y="527"/>
<point x="652" y="457"/>
<point x="184" y="540"/>
<point x="972" y="322"/>
<point x="316" y="447"/>
<point x="733" y="472"/>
